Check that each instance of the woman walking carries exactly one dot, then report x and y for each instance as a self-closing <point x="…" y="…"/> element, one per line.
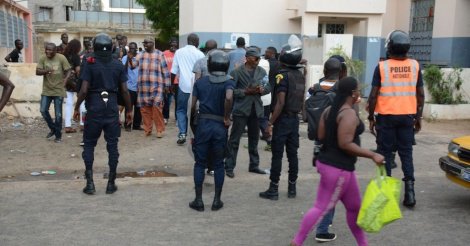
<point x="72" y="54"/>
<point x="339" y="131"/>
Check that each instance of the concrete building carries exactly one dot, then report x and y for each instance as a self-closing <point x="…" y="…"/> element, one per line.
<point x="15" y="23"/>
<point x="440" y="29"/>
<point x="83" y="19"/>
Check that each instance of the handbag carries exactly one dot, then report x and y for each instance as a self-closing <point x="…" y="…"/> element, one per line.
<point x="380" y="206"/>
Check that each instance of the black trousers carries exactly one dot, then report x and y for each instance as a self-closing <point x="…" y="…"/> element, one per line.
<point x="137" y="120"/>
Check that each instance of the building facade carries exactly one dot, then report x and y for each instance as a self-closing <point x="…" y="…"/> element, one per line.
<point x="15" y="23"/>
<point x="83" y="19"/>
<point x="439" y="29"/>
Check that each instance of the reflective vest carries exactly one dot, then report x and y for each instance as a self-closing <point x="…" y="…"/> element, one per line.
<point x="397" y="94"/>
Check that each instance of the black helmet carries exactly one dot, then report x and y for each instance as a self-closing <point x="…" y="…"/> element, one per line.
<point x="217" y="65"/>
<point x="290" y="56"/>
<point x="103" y="42"/>
<point x="397" y="44"/>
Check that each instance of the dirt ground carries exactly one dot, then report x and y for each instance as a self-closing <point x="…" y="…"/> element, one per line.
<point x="24" y="149"/>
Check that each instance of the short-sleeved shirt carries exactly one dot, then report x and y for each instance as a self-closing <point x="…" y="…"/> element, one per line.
<point x="201" y="67"/>
<point x="211" y="96"/>
<point x="53" y="84"/>
<point x="237" y="58"/>
<point x="376" y="79"/>
<point x="16" y="56"/>
<point x="133" y="74"/>
<point x="183" y="64"/>
<point x="103" y="77"/>
<point x="169" y="62"/>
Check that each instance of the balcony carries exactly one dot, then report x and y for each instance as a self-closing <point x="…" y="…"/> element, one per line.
<point x="99" y="20"/>
<point x="338" y="6"/>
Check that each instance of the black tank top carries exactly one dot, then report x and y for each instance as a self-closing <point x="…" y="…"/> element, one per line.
<point x="332" y="155"/>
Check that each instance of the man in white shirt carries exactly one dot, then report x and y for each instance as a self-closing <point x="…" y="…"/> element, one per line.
<point x="183" y="64"/>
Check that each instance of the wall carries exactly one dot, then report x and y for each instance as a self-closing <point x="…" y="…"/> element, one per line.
<point x="237" y="17"/>
<point x="451" y="33"/>
<point x="396" y="16"/>
<point x="346" y="6"/>
<point x="27" y="92"/>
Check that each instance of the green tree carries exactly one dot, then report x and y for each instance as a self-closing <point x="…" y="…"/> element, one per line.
<point x="164" y="15"/>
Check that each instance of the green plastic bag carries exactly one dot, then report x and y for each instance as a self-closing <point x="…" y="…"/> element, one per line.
<point x="380" y="206"/>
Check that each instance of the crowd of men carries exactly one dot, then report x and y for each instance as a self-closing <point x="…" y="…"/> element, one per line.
<point x="240" y="90"/>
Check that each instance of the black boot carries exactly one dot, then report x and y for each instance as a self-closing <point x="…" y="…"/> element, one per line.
<point x="198" y="204"/>
<point x="271" y="193"/>
<point x="291" y="191"/>
<point x="111" y="187"/>
<point x="90" y="186"/>
<point x="217" y="203"/>
<point x="409" y="200"/>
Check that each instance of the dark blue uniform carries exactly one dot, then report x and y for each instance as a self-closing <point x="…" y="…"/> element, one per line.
<point x="286" y="126"/>
<point x="102" y="116"/>
<point x="211" y="135"/>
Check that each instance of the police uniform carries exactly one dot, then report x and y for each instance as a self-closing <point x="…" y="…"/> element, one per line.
<point x="286" y="128"/>
<point x="396" y="108"/>
<point x="101" y="115"/>
<point x="215" y="102"/>
<point x="211" y="134"/>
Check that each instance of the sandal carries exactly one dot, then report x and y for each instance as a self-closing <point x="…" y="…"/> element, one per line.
<point x="70" y="130"/>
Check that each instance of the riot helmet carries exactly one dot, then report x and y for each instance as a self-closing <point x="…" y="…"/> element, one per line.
<point x="397" y="44"/>
<point x="217" y="65"/>
<point x="291" y="53"/>
<point x="103" y="42"/>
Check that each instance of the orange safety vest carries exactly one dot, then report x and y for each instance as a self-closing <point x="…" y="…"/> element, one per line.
<point x="397" y="94"/>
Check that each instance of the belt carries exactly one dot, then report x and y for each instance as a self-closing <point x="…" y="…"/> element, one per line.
<point x="289" y="114"/>
<point x="99" y="92"/>
<point x="211" y="117"/>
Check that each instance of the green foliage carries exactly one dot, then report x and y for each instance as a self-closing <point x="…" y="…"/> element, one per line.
<point x="165" y="17"/>
<point x="444" y="89"/>
<point x="355" y="67"/>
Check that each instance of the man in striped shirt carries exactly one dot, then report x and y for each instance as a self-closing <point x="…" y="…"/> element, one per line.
<point x="153" y="81"/>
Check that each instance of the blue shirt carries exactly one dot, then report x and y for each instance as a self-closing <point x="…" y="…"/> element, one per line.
<point x="211" y="96"/>
<point x="133" y="74"/>
<point x="237" y="58"/>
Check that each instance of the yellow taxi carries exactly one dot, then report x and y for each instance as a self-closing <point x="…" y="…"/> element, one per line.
<point x="457" y="162"/>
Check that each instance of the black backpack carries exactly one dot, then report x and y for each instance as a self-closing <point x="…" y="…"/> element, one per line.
<point x="315" y="105"/>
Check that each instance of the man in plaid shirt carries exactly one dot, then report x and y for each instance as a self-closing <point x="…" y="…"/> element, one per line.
<point x="153" y="81"/>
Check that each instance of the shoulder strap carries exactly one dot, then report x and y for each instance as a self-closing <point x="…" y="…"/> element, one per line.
<point x="317" y="86"/>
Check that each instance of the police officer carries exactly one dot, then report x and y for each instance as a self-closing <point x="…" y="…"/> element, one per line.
<point x="287" y="100"/>
<point x="397" y="96"/>
<point x="101" y="78"/>
<point x="215" y="96"/>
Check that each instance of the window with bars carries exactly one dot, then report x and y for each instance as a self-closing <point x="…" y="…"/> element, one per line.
<point x="3" y="30"/>
<point x="44" y="15"/>
<point x="422" y="16"/>
<point x="12" y="28"/>
<point x="334" y="29"/>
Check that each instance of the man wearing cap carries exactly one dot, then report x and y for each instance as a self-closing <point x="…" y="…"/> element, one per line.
<point x="247" y="109"/>
<point x="153" y="80"/>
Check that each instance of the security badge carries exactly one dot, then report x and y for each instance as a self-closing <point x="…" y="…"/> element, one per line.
<point x="279" y="77"/>
<point x="105" y="96"/>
